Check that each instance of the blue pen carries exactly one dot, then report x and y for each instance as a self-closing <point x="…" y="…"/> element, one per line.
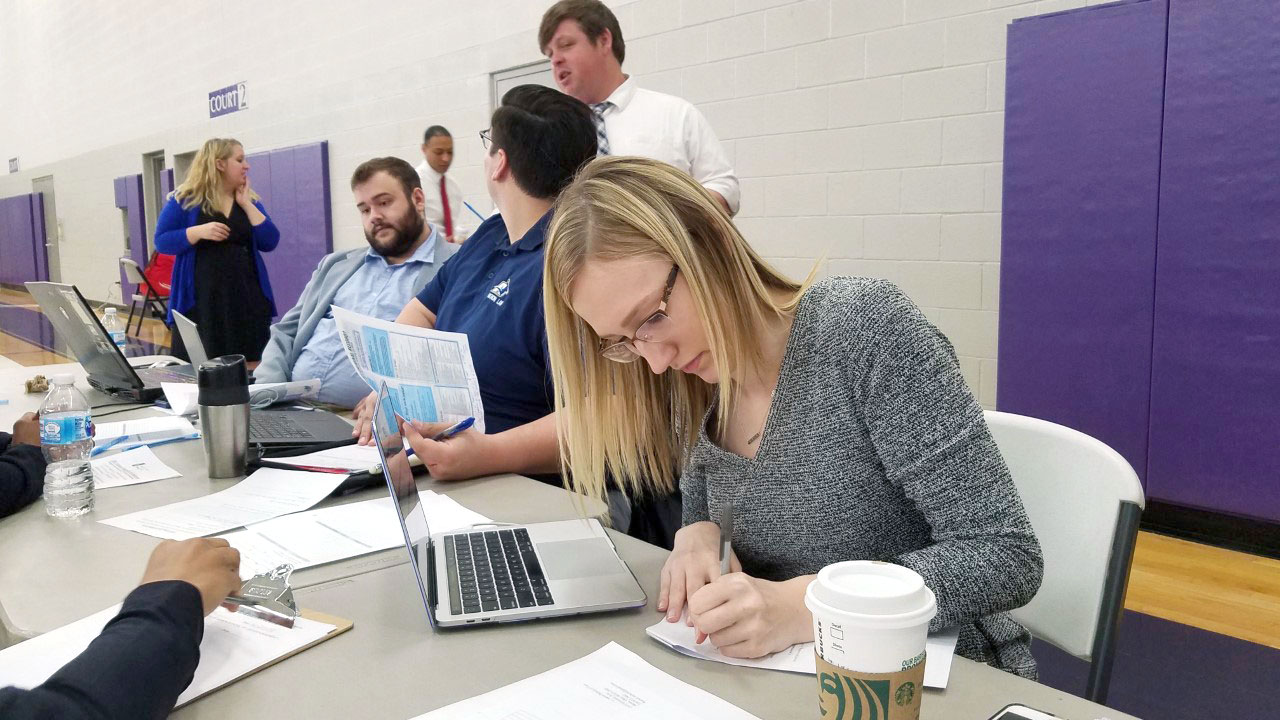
<point x="477" y="212"/>
<point x="454" y="429"/>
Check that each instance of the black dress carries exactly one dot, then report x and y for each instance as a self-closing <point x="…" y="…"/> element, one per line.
<point x="231" y="310"/>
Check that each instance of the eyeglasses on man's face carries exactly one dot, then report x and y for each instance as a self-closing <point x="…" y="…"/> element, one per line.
<point x="653" y="330"/>
<point x="486" y="138"/>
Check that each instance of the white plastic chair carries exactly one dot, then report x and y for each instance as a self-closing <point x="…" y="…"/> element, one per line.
<point x="1084" y="502"/>
<point x="150" y="300"/>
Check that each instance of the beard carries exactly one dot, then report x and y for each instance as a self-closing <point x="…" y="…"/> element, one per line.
<point x="408" y="228"/>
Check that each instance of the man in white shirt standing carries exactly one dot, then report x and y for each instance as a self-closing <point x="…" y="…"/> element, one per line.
<point x="445" y="207"/>
<point x="584" y="42"/>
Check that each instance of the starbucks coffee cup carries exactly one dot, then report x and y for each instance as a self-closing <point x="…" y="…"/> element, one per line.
<point x="870" y="623"/>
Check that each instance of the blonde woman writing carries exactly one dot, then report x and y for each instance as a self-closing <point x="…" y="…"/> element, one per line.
<point x="832" y="417"/>
<point x="216" y="227"/>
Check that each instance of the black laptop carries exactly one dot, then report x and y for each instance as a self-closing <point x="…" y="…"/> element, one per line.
<point x="111" y="373"/>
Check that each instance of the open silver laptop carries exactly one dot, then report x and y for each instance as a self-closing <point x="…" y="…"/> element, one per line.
<point x="190" y="335"/>
<point x="108" y="370"/>
<point x="500" y="573"/>
<point x="271" y="427"/>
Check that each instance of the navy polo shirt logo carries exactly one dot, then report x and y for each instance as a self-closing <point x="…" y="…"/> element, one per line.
<point x="498" y="295"/>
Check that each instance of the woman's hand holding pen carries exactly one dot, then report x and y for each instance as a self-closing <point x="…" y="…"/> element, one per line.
<point x="748" y="617"/>
<point x="694" y="562"/>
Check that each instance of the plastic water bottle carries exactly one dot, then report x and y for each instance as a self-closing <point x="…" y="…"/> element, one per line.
<point x="111" y="323"/>
<point x="66" y="437"/>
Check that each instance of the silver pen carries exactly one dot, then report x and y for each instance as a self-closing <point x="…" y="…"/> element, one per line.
<point x="726" y="537"/>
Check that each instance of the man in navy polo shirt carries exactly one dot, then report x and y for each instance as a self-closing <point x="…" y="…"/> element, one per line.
<point x="492" y="291"/>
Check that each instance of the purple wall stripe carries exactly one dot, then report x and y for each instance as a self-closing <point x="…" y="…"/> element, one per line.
<point x="1215" y="400"/>
<point x="1081" y="179"/>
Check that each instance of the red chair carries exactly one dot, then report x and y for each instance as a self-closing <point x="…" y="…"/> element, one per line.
<point x="153" y="284"/>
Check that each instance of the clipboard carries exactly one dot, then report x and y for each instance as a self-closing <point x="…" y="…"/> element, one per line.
<point x="341" y="625"/>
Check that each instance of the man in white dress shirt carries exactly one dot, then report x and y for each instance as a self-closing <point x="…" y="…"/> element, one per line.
<point x="584" y="42"/>
<point x="445" y="208"/>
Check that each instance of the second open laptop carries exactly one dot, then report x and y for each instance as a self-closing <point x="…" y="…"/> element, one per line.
<point x="108" y="370"/>
<point x="501" y="573"/>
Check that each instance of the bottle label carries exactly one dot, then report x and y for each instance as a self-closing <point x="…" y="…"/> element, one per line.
<point x="65" y="429"/>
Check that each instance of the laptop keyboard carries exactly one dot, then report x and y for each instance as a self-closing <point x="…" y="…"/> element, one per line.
<point x="275" y="427"/>
<point x="494" y="570"/>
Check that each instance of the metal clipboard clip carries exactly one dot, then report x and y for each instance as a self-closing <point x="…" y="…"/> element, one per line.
<point x="266" y="596"/>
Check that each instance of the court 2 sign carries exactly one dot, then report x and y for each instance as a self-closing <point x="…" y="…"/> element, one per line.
<point x="227" y="100"/>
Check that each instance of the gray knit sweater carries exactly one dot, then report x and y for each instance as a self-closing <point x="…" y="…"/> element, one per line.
<point x="874" y="448"/>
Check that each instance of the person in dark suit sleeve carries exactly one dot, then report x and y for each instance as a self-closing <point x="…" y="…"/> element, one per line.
<point x="21" y="465"/>
<point x="147" y="655"/>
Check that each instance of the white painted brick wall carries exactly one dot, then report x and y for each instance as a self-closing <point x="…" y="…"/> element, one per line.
<point x="868" y="133"/>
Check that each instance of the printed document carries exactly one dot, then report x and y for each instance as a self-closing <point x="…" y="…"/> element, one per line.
<point x="183" y="398"/>
<point x="612" y="682"/>
<point x="330" y="534"/>
<point x="799" y="658"/>
<point x="429" y="373"/>
<point x="265" y="494"/>
<point x="234" y="645"/>
<point x="131" y="467"/>
<point x="129" y="434"/>
<point x="353" y="458"/>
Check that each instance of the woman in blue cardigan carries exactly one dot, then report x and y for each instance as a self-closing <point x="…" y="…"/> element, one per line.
<point x="216" y="227"/>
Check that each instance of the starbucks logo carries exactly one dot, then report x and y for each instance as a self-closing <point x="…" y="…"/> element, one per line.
<point x="906" y="691"/>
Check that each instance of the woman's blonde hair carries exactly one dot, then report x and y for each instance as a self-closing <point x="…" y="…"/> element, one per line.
<point x="203" y="185"/>
<point x="622" y="418"/>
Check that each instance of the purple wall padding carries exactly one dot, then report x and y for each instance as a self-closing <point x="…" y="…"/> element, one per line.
<point x="39" y="251"/>
<point x="1215" y="397"/>
<point x="136" y="222"/>
<point x="120" y="184"/>
<point x="294" y="185"/>
<point x="19" y="261"/>
<point x="1081" y="182"/>
<point x="166" y="184"/>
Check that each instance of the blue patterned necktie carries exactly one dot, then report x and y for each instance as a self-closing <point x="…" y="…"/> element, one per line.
<point x="602" y="140"/>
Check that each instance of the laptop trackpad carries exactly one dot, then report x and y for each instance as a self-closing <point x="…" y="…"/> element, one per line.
<point x="569" y="559"/>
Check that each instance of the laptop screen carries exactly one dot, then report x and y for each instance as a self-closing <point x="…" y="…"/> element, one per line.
<point x="71" y="316"/>
<point x="404" y="494"/>
<point x="190" y="338"/>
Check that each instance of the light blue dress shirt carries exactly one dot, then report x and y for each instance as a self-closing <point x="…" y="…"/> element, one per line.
<point x="376" y="289"/>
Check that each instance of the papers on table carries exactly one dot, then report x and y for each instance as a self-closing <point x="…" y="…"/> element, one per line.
<point x="183" y="398"/>
<point x="233" y="646"/>
<point x="129" y="434"/>
<point x="610" y="682"/>
<point x="429" y="373"/>
<point x="799" y="658"/>
<point x="138" y="465"/>
<point x="265" y="494"/>
<point x="354" y="458"/>
<point x="336" y="533"/>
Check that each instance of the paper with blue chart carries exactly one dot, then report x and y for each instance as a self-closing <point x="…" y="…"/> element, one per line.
<point x="429" y="373"/>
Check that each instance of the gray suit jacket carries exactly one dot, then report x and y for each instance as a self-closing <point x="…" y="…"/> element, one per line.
<point x="291" y="334"/>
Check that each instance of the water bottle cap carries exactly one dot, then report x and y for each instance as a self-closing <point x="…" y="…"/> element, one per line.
<point x="111" y="311"/>
<point x="64" y="379"/>
<point x="223" y="381"/>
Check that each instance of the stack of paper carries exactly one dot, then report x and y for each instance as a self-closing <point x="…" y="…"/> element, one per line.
<point x="354" y="458"/>
<point x="183" y="398"/>
<point x="138" y="465"/>
<point x="336" y="533"/>
<point x="233" y="646"/>
<point x="799" y="658"/>
<point x="143" y="431"/>
<point x="265" y="494"/>
<point x="612" y="682"/>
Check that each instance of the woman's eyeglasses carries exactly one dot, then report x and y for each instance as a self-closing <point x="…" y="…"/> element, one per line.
<point x="653" y="330"/>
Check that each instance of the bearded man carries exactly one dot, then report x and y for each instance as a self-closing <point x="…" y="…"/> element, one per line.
<point x="404" y="254"/>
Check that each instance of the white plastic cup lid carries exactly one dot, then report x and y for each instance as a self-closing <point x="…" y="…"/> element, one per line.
<point x="876" y="590"/>
<point x="63" y="379"/>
